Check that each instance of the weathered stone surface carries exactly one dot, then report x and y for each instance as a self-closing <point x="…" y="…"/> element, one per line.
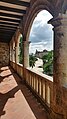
<point x="58" y="9"/>
<point x="60" y="67"/>
<point x="4" y="54"/>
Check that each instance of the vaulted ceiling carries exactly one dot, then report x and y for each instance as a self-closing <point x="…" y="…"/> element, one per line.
<point x="11" y="14"/>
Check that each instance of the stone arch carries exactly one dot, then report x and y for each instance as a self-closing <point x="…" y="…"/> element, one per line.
<point x="58" y="104"/>
<point x="35" y="8"/>
<point x="32" y="13"/>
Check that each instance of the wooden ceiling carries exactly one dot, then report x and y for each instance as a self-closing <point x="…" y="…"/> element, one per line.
<point x="11" y="14"/>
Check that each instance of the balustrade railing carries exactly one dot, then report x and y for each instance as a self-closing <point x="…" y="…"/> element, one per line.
<point x="42" y="85"/>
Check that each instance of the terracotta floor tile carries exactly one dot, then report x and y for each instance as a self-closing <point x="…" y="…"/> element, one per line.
<point x="16" y="100"/>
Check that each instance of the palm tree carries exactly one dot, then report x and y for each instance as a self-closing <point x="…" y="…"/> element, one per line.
<point x="32" y="60"/>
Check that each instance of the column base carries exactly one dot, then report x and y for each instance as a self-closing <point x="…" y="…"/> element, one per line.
<point x="54" y="115"/>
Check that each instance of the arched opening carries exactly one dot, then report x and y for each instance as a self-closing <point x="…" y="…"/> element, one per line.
<point x="10" y="51"/>
<point x="13" y="51"/>
<point x="41" y="46"/>
<point x="20" y="49"/>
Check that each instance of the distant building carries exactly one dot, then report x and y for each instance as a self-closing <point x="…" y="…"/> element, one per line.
<point x="40" y="54"/>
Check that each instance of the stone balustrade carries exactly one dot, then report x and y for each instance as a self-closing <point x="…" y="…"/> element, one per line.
<point x="41" y="85"/>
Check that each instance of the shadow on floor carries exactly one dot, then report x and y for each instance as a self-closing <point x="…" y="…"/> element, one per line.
<point x="4" y="98"/>
<point x="36" y="107"/>
<point x="4" y="70"/>
<point x="4" y="77"/>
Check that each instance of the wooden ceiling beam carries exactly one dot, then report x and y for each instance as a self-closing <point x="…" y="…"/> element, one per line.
<point x="10" y="26"/>
<point x="6" y="30"/>
<point x="17" y="2"/>
<point x="7" y="23"/>
<point x="6" y="36"/>
<point x="11" y="15"/>
<point x="12" y="9"/>
<point x="9" y="19"/>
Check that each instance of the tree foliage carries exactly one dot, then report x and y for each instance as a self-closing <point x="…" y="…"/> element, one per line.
<point x="48" y="63"/>
<point x="21" y="50"/>
<point x="32" y="60"/>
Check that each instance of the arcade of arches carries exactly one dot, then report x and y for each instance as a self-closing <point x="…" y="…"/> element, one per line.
<point x="52" y="94"/>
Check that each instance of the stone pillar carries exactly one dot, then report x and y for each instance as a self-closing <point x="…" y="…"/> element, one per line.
<point x="13" y="50"/>
<point x="10" y="52"/>
<point x="16" y="54"/>
<point x="26" y="54"/>
<point x="60" y="66"/>
<point x="17" y="46"/>
<point x="16" y="51"/>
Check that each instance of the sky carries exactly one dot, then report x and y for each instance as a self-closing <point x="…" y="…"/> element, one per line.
<point x="41" y="34"/>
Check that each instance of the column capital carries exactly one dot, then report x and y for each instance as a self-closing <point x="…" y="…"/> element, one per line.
<point x="60" y="20"/>
<point x="26" y="42"/>
<point x="24" y="37"/>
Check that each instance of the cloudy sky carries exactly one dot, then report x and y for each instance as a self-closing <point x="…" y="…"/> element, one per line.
<point x="41" y="35"/>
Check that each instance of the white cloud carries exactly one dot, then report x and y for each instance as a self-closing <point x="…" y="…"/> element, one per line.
<point x="43" y="17"/>
<point x="41" y="34"/>
<point x="33" y="47"/>
<point x="40" y="46"/>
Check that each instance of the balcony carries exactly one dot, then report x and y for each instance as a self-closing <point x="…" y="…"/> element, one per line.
<point x="32" y="96"/>
<point x="17" y="100"/>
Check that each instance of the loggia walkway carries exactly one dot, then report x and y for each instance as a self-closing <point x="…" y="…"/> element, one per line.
<point x="16" y="100"/>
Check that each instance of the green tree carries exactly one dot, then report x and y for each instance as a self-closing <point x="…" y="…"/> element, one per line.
<point x="21" y="50"/>
<point x="48" y="63"/>
<point x="32" y="60"/>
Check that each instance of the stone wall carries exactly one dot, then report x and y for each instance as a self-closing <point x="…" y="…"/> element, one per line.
<point x="4" y="54"/>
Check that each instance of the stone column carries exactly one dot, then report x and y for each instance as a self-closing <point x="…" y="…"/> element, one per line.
<point x="26" y="54"/>
<point x="16" y="51"/>
<point x="17" y="46"/>
<point x="60" y="66"/>
<point x="12" y="50"/>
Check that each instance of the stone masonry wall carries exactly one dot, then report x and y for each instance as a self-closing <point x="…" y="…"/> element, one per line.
<point x="4" y="54"/>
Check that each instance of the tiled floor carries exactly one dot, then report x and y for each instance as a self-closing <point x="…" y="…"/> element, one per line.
<point x="16" y="100"/>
